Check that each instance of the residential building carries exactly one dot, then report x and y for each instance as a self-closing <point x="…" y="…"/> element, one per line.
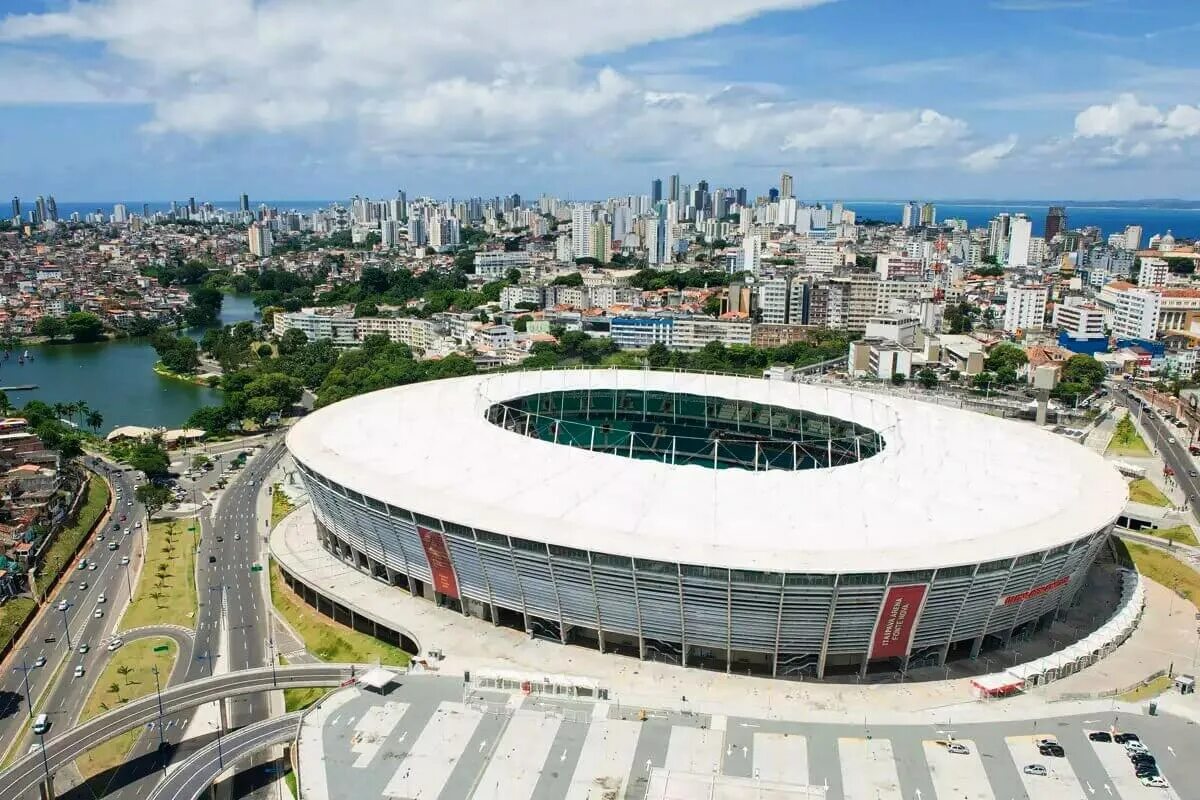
<point x="785" y="186"/>
<point x="638" y="333"/>
<point x="1025" y="308"/>
<point x="893" y="328"/>
<point x="1079" y="321"/>
<point x="1020" y="232"/>
<point x="336" y="325"/>
<point x="1153" y="272"/>
<point x="692" y="333"/>
<point x="260" y="239"/>
<point x="495" y="264"/>
<point x="1056" y="222"/>
<point x="783" y="300"/>
<point x="419" y="334"/>
<point x="1137" y="313"/>
<point x="601" y="242"/>
<point x="582" y="216"/>
<point x="1133" y="237"/>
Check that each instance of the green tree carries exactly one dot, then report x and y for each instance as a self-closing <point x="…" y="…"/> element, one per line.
<point x="85" y="327"/>
<point x="1006" y="355"/>
<point x="264" y="350"/>
<point x="570" y="279"/>
<point x="291" y="341"/>
<point x="205" y="308"/>
<point x="898" y="379"/>
<point x="366" y="309"/>
<point x="153" y="497"/>
<point x="712" y="306"/>
<point x="150" y="458"/>
<point x="927" y="378"/>
<point x="657" y="355"/>
<point x="50" y="327"/>
<point x="521" y="323"/>
<point x="95" y="420"/>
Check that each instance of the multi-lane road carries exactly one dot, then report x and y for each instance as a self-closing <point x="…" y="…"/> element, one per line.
<point x="231" y="630"/>
<point x="48" y="636"/>
<point x="1171" y="443"/>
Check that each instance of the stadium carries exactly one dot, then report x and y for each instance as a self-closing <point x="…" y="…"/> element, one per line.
<point x="777" y="528"/>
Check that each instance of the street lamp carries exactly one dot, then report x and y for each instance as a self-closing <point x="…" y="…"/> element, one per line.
<point x="66" y="627"/>
<point x="220" y="752"/>
<point x="158" y="691"/>
<point x="25" y="669"/>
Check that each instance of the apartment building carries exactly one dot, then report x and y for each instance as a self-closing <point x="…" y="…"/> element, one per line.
<point x="1136" y="315"/>
<point x="336" y="325"/>
<point x="1025" y="308"/>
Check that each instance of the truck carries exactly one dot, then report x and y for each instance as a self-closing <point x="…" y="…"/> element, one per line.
<point x="1129" y="470"/>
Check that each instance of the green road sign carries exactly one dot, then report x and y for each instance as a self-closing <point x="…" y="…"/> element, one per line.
<point x="256" y="568"/>
<point x="162" y="648"/>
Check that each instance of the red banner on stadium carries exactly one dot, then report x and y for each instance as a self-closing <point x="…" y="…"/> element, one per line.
<point x="1036" y="591"/>
<point x="897" y="621"/>
<point x="439" y="562"/>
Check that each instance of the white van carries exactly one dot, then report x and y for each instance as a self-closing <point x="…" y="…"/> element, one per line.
<point x="41" y="724"/>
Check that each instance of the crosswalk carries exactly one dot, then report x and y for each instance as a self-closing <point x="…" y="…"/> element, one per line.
<point x="482" y="751"/>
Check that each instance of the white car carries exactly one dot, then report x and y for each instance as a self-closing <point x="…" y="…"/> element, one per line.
<point x="114" y="644"/>
<point x="1155" y="781"/>
<point x="40" y="661"/>
<point x="129" y="504"/>
<point x="91" y="566"/>
<point x="83" y="647"/>
<point x="1136" y="747"/>
<point x="98" y="613"/>
<point x="79" y="671"/>
<point x="124" y="560"/>
<point x="62" y="605"/>
<point x="128" y="531"/>
<point x="958" y="748"/>
<point x="102" y="598"/>
<point x="137" y="524"/>
<point x="1034" y="769"/>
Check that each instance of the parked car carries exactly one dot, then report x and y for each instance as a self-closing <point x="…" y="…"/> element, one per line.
<point x="1034" y="769"/>
<point x="1156" y="782"/>
<point x="958" y="748"/>
<point x="1125" y="738"/>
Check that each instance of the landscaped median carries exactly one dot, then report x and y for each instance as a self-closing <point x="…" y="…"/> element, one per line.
<point x="1180" y="534"/>
<point x="1161" y="567"/>
<point x="166" y="590"/>
<point x="127" y="675"/>
<point x="297" y="699"/>
<point x="280" y="505"/>
<point x="1126" y="441"/>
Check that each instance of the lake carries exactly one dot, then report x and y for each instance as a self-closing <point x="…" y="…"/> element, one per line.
<point x="116" y="378"/>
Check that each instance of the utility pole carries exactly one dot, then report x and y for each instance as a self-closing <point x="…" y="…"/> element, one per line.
<point x="25" y="669"/>
<point x="158" y="691"/>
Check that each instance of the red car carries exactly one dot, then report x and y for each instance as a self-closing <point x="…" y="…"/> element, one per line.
<point x="122" y="518"/>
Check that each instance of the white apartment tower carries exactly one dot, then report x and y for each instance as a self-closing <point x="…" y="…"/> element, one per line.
<point x="581" y="229"/>
<point x="260" y="240"/>
<point x="1136" y="313"/>
<point x="1026" y="308"/>
<point x="1020" y="232"/>
<point x="1153" y="273"/>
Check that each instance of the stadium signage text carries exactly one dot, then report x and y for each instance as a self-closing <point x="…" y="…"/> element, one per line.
<point x="440" y="565"/>
<point x="897" y="620"/>
<point x="1036" y="591"/>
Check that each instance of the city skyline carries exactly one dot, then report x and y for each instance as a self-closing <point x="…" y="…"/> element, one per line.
<point x="1013" y="98"/>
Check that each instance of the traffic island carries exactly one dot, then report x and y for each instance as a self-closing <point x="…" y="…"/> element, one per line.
<point x="166" y="589"/>
<point x="128" y="675"/>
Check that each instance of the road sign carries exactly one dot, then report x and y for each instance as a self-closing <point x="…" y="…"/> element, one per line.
<point x="256" y="567"/>
<point x="162" y="648"/>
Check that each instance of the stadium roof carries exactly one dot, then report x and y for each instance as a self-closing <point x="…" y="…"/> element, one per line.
<point x="950" y="487"/>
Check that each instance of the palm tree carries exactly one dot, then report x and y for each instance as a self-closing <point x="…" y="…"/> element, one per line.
<point x="60" y="409"/>
<point x="6" y="406"/>
<point x="124" y="671"/>
<point x="94" y="420"/>
<point x="81" y="409"/>
<point x="114" y="688"/>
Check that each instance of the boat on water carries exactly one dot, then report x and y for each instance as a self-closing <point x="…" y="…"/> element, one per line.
<point x="27" y="357"/>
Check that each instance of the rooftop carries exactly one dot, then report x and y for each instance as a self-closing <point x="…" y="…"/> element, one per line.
<point x="949" y="487"/>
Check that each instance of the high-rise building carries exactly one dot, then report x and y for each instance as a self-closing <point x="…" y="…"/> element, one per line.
<point x="1133" y="237"/>
<point x="772" y="195"/>
<point x="582" y="215"/>
<point x="998" y="230"/>
<point x="910" y="215"/>
<point x="673" y="188"/>
<point x="750" y="254"/>
<point x="928" y="214"/>
<point x="654" y="236"/>
<point x="417" y="234"/>
<point x="1025" y="308"/>
<point x="1136" y="313"/>
<point x="741" y="196"/>
<point x="16" y="208"/>
<point x="145" y="211"/>
<point x="120" y="214"/>
<point x="389" y="233"/>
<point x="1153" y="272"/>
<point x="51" y="209"/>
<point x="1056" y="222"/>
<point x="260" y="240"/>
<point x="785" y="185"/>
<point x="192" y="206"/>
<point x="245" y="204"/>
<point x="1020" y="232"/>
<point x="39" y="210"/>
<point x="656" y="191"/>
<point x="601" y="242"/>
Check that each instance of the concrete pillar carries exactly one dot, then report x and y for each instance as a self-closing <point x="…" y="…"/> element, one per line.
<point x="977" y="646"/>
<point x="46" y="788"/>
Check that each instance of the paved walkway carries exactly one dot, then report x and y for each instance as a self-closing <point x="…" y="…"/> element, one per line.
<point x="470" y="644"/>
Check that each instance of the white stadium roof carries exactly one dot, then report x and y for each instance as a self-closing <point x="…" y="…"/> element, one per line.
<point x="950" y="487"/>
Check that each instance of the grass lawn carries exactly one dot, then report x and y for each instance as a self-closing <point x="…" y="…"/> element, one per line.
<point x="12" y="615"/>
<point x="138" y="658"/>
<point x="1182" y="534"/>
<point x="166" y="590"/>
<point x="66" y="543"/>
<point x="1126" y="441"/>
<point x="297" y="699"/>
<point x="280" y="505"/>
<point x="326" y="639"/>
<point x="1147" y="690"/>
<point x="1162" y="567"/>
<point x="1143" y="491"/>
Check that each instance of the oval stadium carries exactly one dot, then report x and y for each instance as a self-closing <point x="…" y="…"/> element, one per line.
<point x="777" y="528"/>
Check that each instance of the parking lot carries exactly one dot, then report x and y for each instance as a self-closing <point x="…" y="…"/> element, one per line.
<point x="426" y="739"/>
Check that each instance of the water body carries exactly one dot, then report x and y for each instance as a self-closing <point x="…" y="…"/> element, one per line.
<point x="1182" y="222"/>
<point x="116" y="378"/>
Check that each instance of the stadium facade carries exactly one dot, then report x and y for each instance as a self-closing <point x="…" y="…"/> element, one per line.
<point x="732" y="523"/>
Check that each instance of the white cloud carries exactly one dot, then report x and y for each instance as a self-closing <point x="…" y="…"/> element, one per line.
<point x="1129" y="129"/>
<point x="988" y="158"/>
<point x="468" y="78"/>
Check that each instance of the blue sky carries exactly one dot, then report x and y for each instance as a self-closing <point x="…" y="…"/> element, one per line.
<point x="1080" y="99"/>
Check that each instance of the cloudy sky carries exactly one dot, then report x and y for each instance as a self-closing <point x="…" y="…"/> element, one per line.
<point x="295" y="99"/>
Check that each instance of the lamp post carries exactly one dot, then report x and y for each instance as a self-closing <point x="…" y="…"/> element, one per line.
<point x="158" y="691"/>
<point x="220" y="752"/>
<point x="25" y="669"/>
